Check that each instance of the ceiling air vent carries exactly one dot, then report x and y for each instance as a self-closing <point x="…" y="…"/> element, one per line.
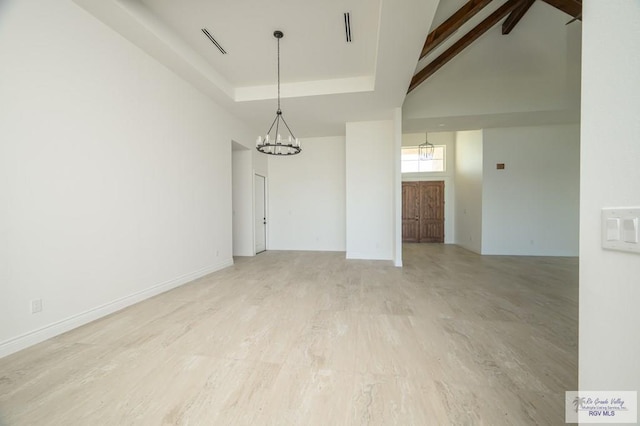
<point x="347" y="26"/>
<point x="214" y="41"/>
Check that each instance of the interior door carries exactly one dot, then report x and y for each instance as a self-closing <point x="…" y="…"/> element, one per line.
<point x="410" y="212"/>
<point x="260" y="215"/>
<point x="431" y="212"/>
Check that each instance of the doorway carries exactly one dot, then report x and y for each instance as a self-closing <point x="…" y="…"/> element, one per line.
<point x="423" y="212"/>
<point x="260" y="216"/>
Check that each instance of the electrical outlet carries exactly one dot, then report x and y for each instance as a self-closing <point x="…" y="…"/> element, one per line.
<point x="36" y="306"/>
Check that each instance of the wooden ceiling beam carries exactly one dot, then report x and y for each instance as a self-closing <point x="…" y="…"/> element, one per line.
<point x="515" y="16"/>
<point x="570" y="7"/>
<point x="464" y="42"/>
<point x="452" y="24"/>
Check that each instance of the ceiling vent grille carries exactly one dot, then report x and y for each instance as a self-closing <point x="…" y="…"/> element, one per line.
<point x="347" y="26"/>
<point x="214" y="41"/>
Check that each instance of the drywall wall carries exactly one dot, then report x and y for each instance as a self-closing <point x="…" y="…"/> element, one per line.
<point x="115" y="174"/>
<point x="610" y="177"/>
<point x="242" y="195"/>
<point x="307" y="197"/>
<point x="448" y="140"/>
<point x="370" y="195"/>
<point x="468" y="194"/>
<point x="531" y="207"/>
<point x="397" y="188"/>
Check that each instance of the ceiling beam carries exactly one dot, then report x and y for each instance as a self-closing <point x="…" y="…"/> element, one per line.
<point x="452" y="24"/>
<point x="515" y="16"/>
<point x="570" y="7"/>
<point x="462" y="43"/>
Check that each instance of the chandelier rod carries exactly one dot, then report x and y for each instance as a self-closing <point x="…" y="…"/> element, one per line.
<point x="279" y="111"/>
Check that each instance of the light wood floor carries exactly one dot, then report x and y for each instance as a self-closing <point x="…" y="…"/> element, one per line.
<point x="297" y="338"/>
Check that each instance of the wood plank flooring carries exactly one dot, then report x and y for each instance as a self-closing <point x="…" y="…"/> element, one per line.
<point x="309" y="338"/>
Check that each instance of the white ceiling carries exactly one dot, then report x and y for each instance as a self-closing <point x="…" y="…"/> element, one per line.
<point x="325" y="80"/>
<point x="529" y="77"/>
<point x="314" y="46"/>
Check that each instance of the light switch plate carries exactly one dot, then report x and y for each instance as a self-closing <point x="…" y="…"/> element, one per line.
<point x="620" y="229"/>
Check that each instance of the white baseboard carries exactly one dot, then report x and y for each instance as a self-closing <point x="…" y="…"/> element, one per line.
<point x="31" y="338"/>
<point x="367" y="256"/>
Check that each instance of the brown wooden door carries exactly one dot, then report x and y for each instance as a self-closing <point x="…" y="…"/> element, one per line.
<point x="410" y="212"/>
<point x="423" y="212"/>
<point x="432" y="212"/>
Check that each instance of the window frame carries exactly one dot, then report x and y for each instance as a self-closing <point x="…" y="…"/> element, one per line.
<point x="420" y="161"/>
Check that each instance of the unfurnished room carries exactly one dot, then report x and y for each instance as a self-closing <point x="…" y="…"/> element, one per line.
<point x="288" y="212"/>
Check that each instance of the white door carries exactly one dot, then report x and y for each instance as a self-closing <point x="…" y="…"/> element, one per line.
<point x="260" y="214"/>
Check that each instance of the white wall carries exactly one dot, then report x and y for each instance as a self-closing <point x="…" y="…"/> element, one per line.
<point x="448" y="176"/>
<point x="532" y="206"/>
<point x="260" y="163"/>
<point x="242" y="195"/>
<point x="370" y="194"/>
<point x="397" y="188"/>
<point x="115" y="175"/>
<point x="610" y="177"/>
<point x="307" y="197"/>
<point x="468" y="194"/>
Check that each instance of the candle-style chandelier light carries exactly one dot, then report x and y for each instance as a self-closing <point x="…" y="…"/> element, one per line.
<point x="426" y="149"/>
<point x="275" y="144"/>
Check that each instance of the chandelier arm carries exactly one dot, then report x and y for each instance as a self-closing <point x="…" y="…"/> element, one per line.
<point x="274" y="122"/>
<point x="285" y="123"/>
<point x="278" y="118"/>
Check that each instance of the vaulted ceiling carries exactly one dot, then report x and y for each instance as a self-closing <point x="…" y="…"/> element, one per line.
<point x="510" y="13"/>
<point x="497" y="63"/>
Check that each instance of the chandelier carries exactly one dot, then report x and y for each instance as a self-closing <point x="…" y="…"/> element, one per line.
<point x="275" y="144"/>
<point x="426" y="149"/>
